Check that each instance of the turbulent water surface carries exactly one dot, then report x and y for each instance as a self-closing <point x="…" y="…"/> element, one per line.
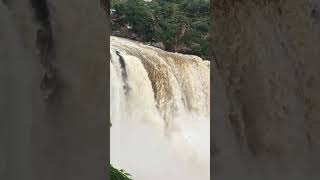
<point x="159" y="112"/>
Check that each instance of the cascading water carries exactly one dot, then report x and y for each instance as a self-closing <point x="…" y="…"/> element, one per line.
<point x="159" y="112"/>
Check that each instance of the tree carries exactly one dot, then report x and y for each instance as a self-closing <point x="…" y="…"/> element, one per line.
<point x="164" y="21"/>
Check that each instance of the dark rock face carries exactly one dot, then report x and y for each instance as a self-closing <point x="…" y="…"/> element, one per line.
<point x="266" y="111"/>
<point x="158" y="45"/>
<point x="57" y="48"/>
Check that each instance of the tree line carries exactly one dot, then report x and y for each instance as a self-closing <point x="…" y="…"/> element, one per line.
<point x="176" y="25"/>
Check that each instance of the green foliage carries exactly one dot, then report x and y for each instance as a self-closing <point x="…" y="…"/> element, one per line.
<point x="160" y="20"/>
<point x="116" y="174"/>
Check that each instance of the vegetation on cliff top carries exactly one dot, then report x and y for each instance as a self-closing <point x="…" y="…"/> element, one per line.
<point x="174" y="25"/>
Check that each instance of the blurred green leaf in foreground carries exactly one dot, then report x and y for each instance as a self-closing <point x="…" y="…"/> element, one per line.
<point x="116" y="174"/>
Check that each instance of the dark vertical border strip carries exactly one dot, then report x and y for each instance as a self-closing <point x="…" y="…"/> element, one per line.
<point x="106" y="6"/>
<point x="212" y="59"/>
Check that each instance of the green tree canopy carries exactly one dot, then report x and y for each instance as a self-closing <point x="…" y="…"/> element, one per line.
<point x="161" y="20"/>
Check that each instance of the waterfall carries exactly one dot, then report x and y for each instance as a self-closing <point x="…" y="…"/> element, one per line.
<point x="160" y="109"/>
